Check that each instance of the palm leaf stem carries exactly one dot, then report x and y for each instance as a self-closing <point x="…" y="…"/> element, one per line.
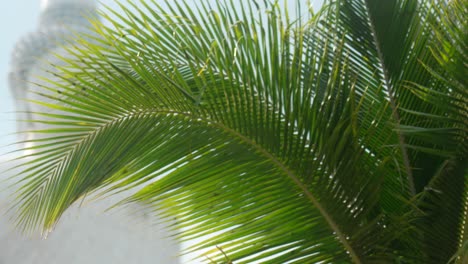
<point x="393" y="104"/>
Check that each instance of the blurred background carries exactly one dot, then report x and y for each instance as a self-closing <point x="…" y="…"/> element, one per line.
<point x="17" y="18"/>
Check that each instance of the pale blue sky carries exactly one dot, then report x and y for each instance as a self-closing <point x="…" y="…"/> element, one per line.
<point x="17" y="18"/>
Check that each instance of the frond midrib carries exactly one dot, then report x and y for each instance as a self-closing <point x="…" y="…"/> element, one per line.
<point x="265" y="153"/>
<point x="292" y="176"/>
<point x="393" y="103"/>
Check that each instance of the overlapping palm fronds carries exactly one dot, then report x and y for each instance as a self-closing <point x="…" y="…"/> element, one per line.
<point x="338" y="138"/>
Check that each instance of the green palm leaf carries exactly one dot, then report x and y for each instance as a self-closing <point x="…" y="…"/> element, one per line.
<point x="276" y="141"/>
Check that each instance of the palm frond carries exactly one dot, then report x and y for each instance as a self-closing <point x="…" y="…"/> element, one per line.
<point x="277" y="141"/>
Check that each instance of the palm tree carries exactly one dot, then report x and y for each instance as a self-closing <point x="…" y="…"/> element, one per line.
<point x="337" y="137"/>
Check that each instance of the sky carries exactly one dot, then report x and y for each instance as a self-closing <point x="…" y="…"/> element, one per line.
<point x="17" y="18"/>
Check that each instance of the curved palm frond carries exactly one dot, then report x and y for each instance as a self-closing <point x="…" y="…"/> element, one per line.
<point x="281" y="141"/>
